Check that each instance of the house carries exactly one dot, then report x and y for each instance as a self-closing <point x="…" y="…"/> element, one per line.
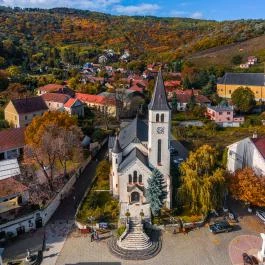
<point x="252" y="60"/>
<point x="74" y="107"/>
<point x="172" y="85"/>
<point x="227" y="84"/>
<point x="138" y="149"/>
<point x="12" y="142"/>
<point x="184" y="97"/>
<point x="20" y="112"/>
<point x="248" y="152"/>
<point x="55" y="101"/>
<point x="224" y="116"/>
<point x="98" y="102"/>
<point x="55" y="88"/>
<point x="13" y="194"/>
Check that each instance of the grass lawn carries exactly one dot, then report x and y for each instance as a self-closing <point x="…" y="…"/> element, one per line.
<point x="194" y="137"/>
<point x="100" y="204"/>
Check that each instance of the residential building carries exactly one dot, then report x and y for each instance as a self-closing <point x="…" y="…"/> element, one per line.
<point x="100" y="103"/>
<point x="74" y="107"/>
<point x="248" y="152"/>
<point x="55" y="101"/>
<point x="20" y="112"/>
<point x="224" y="116"/>
<point x="184" y="98"/>
<point x="137" y="150"/>
<point x="12" y="142"/>
<point x="55" y="88"/>
<point x="231" y="81"/>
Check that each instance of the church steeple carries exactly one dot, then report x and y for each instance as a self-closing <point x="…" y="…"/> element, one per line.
<point x="159" y="98"/>
<point x="117" y="147"/>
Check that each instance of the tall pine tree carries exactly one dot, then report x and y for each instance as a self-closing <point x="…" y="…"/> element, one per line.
<point x="156" y="191"/>
<point x="174" y="102"/>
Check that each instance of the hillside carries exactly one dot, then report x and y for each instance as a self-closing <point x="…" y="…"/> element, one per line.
<point x="75" y="36"/>
<point x="222" y="55"/>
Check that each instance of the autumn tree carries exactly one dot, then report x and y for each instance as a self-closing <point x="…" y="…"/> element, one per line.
<point x="50" y="138"/>
<point x="243" y="98"/>
<point x="248" y="187"/>
<point x="202" y="183"/>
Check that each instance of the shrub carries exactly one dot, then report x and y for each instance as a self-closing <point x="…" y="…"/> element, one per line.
<point x="121" y="230"/>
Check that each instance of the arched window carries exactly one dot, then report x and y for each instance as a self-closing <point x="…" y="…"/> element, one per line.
<point x="135" y="177"/>
<point x="159" y="143"/>
<point x="162" y="117"/>
<point x="157" y="117"/>
<point x="140" y="179"/>
<point x="130" y="179"/>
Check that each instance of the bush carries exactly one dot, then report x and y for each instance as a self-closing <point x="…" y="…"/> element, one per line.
<point x="121" y="230"/>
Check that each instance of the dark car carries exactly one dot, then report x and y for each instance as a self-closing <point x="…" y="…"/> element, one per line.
<point x="220" y="227"/>
<point x="249" y="260"/>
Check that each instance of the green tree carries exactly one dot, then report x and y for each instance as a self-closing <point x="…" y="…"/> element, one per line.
<point x="156" y="192"/>
<point x="174" y="103"/>
<point x="3" y="81"/>
<point x="186" y="83"/>
<point x="202" y="183"/>
<point x="243" y="98"/>
<point x="237" y="59"/>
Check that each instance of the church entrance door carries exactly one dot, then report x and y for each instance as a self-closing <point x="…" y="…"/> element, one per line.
<point x="135" y="197"/>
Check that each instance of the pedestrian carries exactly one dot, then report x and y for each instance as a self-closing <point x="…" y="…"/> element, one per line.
<point x="92" y="237"/>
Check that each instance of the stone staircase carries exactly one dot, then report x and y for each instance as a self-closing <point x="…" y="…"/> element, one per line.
<point x="135" y="244"/>
<point x="135" y="238"/>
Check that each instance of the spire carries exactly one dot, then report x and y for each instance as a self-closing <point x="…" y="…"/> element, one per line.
<point x="159" y="98"/>
<point x="116" y="148"/>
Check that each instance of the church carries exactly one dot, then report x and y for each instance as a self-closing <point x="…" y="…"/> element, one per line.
<point x="139" y="148"/>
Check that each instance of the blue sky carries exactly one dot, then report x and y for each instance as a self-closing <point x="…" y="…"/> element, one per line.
<point x="205" y="9"/>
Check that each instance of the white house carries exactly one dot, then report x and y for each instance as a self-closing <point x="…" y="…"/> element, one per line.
<point x="137" y="150"/>
<point x="249" y="152"/>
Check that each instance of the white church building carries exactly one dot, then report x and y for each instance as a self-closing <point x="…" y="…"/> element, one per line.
<point x="138" y="149"/>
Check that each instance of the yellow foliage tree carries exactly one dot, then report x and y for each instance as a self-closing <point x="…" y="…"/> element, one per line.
<point x="248" y="187"/>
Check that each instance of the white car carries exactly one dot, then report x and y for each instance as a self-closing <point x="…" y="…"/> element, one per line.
<point x="261" y="214"/>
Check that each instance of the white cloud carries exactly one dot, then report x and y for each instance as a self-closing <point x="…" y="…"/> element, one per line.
<point x="84" y="4"/>
<point x="197" y="15"/>
<point x="141" y="9"/>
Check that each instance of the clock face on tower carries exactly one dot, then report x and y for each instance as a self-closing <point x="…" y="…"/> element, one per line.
<point x="160" y="130"/>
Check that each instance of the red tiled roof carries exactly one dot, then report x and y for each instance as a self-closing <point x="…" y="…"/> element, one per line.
<point x="10" y="186"/>
<point x="28" y="105"/>
<point x="260" y="144"/>
<point x="185" y="98"/>
<point x="11" y="139"/>
<point x="172" y="83"/>
<point x="96" y="99"/>
<point x="50" y="87"/>
<point x="55" y="97"/>
<point x="136" y="88"/>
<point x="70" y="102"/>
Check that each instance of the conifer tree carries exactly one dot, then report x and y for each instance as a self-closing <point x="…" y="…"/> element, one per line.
<point x="156" y="192"/>
<point x="174" y="102"/>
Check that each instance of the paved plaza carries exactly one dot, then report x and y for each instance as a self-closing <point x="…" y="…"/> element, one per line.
<point x="198" y="247"/>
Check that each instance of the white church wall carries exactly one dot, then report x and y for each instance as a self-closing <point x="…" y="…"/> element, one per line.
<point x="124" y="178"/>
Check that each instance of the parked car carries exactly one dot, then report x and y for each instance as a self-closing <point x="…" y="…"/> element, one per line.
<point x="173" y="151"/>
<point x="178" y="161"/>
<point x="220" y="227"/>
<point x="249" y="260"/>
<point x="261" y="214"/>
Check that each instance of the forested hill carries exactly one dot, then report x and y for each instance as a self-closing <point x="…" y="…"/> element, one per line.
<point x="28" y="35"/>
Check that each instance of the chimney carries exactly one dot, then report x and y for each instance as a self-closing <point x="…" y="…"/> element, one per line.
<point x="255" y="135"/>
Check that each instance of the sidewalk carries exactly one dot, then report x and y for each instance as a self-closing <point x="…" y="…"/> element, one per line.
<point x="56" y="234"/>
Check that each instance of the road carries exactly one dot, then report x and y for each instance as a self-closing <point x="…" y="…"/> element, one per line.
<point x="57" y="227"/>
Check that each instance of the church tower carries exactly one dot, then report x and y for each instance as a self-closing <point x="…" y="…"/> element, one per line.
<point x="159" y="130"/>
<point x="116" y="160"/>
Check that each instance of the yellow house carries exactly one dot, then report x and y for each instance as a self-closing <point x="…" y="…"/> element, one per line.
<point x="231" y="81"/>
<point x="20" y="112"/>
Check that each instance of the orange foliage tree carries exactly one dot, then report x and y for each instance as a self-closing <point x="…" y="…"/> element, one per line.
<point x="248" y="187"/>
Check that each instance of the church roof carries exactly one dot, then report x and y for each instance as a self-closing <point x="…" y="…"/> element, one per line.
<point x="159" y="98"/>
<point x="243" y="79"/>
<point x="132" y="156"/>
<point x="137" y="130"/>
<point x="116" y="148"/>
